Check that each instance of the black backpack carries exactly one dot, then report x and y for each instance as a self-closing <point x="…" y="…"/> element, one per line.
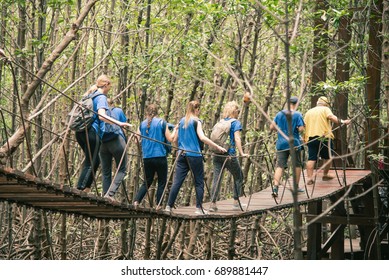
<point x="82" y="115"/>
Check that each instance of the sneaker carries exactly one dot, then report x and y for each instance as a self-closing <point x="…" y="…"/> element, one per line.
<point x="300" y="190"/>
<point x="136" y="204"/>
<point x="328" y="177"/>
<point x="275" y="191"/>
<point x="168" y="209"/>
<point x="87" y="190"/>
<point x="200" y="211"/>
<point x="213" y="208"/>
<point x="237" y="207"/>
<point x="109" y="198"/>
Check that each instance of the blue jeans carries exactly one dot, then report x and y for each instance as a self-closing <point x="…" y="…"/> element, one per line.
<point x="184" y="165"/>
<point x="151" y="166"/>
<point x="232" y="165"/>
<point x="91" y="160"/>
<point x="116" y="148"/>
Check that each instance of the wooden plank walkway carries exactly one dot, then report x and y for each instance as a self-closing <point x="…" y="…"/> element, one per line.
<point x="24" y="189"/>
<point x="262" y="201"/>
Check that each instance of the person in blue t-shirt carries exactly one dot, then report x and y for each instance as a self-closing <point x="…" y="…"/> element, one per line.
<point x="113" y="147"/>
<point x="154" y="153"/>
<point x="229" y="160"/>
<point x="282" y="144"/>
<point x="189" y="156"/>
<point x="90" y="140"/>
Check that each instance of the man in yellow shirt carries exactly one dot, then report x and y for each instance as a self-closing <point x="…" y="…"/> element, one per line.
<point x="318" y="136"/>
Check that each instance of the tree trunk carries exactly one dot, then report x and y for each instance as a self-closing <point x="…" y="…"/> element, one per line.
<point x="42" y="8"/>
<point x="123" y="71"/>
<point x="63" y="237"/>
<point x="341" y="98"/>
<point x="320" y="50"/>
<point x="173" y="78"/>
<point x="373" y="84"/>
<point x="108" y="27"/>
<point x="385" y="66"/>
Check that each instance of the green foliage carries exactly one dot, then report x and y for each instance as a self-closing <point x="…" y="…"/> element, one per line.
<point x="58" y="4"/>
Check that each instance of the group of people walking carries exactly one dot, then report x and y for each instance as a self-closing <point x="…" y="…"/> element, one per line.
<point x="153" y="134"/>
<point x="188" y="136"/>
<point x="316" y="126"/>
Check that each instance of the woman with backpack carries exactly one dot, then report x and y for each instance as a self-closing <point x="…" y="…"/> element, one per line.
<point x="228" y="160"/>
<point x="190" y="133"/>
<point x="89" y="138"/>
<point x="153" y="133"/>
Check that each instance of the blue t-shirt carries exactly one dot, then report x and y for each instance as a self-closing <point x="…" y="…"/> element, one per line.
<point x="151" y="148"/>
<point x="187" y="138"/>
<point x="118" y="114"/>
<point x="282" y="123"/>
<point x="99" y="102"/>
<point x="235" y="126"/>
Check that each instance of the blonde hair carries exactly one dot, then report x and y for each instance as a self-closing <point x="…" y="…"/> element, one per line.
<point x="230" y="108"/>
<point x="190" y="111"/>
<point x="92" y="89"/>
<point x="102" y="81"/>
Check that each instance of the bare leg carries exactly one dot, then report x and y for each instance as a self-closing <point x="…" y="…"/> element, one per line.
<point x="298" y="175"/>
<point x="277" y="176"/>
<point x="310" y="167"/>
<point x="326" y="169"/>
<point x="327" y="166"/>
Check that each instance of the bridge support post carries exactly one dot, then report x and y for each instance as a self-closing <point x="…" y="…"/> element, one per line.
<point x="314" y="231"/>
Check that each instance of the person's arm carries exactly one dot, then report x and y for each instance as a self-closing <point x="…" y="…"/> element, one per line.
<point x="273" y="126"/>
<point x="337" y="120"/>
<point x="238" y="143"/>
<point x="170" y="135"/>
<point x="206" y="140"/>
<point x="138" y="135"/>
<point x="105" y="118"/>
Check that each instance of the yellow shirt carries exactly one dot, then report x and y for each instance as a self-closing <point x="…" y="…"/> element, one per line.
<point x="317" y="123"/>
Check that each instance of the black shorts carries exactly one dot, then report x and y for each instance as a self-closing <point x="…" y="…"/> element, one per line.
<point x="318" y="146"/>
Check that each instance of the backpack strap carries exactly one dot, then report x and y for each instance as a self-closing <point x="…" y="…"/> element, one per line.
<point x="229" y="133"/>
<point x="95" y="94"/>
<point x="230" y="121"/>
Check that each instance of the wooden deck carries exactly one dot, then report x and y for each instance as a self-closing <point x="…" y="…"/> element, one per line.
<point x="16" y="187"/>
<point x="261" y="201"/>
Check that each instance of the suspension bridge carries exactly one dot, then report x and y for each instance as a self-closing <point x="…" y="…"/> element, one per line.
<point x="24" y="189"/>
